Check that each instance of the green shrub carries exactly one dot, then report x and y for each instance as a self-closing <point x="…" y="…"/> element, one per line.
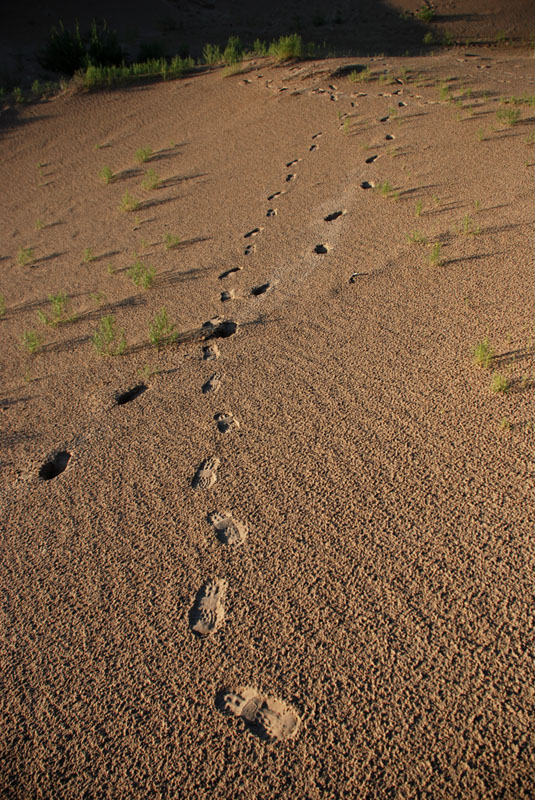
<point x="141" y="274"/>
<point x="106" y="339"/>
<point x="67" y="52"/>
<point x="211" y="54"/>
<point x="483" y="354"/>
<point x="288" y="47"/>
<point x="233" y="52"/>
<point x="161" y="330"/>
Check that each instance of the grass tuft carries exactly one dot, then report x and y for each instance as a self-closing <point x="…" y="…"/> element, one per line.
<point x="128" y="203"/>
<point x="141" y="274"/>
<point x="151" y="180"/>
<point x="31" y="341"/>
<point x="143" y="154"/>
<point x="106" y="175"/>
<point x="483" y="354"/>
<point x="107" y="340"/>
<point x="499" y="384"/>
<point x="171" y="242"/>
<point x="161" y="330"/>
<point x="25" y="256"/>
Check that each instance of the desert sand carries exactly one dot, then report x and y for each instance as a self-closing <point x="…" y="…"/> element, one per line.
<point x="290" y="554"/>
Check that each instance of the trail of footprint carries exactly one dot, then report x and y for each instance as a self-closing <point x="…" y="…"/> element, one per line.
<point x="228" y="294"/>
<point x="249" y="249"/>
<point x="229" y="530"/>
<point x="208" y="613"/>
<point x="126" y="397"/>
<point x="225" y="422"/>
<point x="274" y="195"/>
<point x="291" y="163"/>
<point x="210" y="352"/>
<point x="266" y="717"/>
<point x="290" y="177"/>
<point x="213" y="384"/>
<point x="321" y="249"/>
<point x="54" y="465"/>
<point x="262" y="289"/>
<point x="206" y="474"/>
<point x="371" y="159"/>
<point x="271" y="212"/>
<point x="251" y="233"/>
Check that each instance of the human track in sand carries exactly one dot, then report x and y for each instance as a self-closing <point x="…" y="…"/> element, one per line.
<point x="208" y="612"/>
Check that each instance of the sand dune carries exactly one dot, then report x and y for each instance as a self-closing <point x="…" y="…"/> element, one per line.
<point x="288" y="553"/>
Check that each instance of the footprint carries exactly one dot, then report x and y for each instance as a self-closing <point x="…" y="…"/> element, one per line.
<point x="389" y="137"/>
<point x="229" y="530"/>
<point x="229" y="272"/>
<point x="321" y="249"/>
<point x="226" y="422"/>
<point x="366" y="185"/>
<point x="371" y="159"/>
<point x="290" y="177"/>
<point x="271" y="212"/>
<point x="317" y="135"/>
<point x="252" y="233"/>
<point x="333" y="216"/>
<point x="384" y="119"/>
<point x="54" y="466"/>
<point x="248" y="250"/>
<point x="206" y="474"/>
<point x="262" y="289"/>
<point x="126" y="397"/>
<point x="227" y="295"/>
<point x="266" y="717"/>
<point x="208" y="611"/>
<point x="210" y="352"/>
<point x="274" y="195"/>
<point x="291" y="163"/>
<point x="213" y="384"/>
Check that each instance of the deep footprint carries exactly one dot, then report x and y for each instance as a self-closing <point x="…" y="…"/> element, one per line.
<point x="262" y="289"/>
<point x="274" y="195"/>
<point x="213" y="384"/>
<point x="208" y="612"/>
<point x="321" y="249"/>
<point x="229" y="530"/>
<point x="271" y="212"/>
<point x="366" y="185"/>
<point x="248" y="250"/>
<point x="291" y="163"/>
<point x="225" y="422"/>
<point x="252" y="233"/>
<point x="227" y="295"/>
<point x="266" y="717"/>
<point x="312" y="148"/>
<point x="210" y="352"/>
<point x="371" y="159"/>
<point x="54" y="466"/>
<point x="126" y="397"/>
<point x="290" y="177"/>
<point x="206" y="474"/>
<point x="229" y="272"/>
<point x="333" y="216"/>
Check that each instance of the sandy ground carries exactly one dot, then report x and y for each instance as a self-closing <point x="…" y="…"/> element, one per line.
<point x="365" y="626"/>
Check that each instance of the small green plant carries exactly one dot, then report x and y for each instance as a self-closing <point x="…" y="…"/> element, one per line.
<point x="469" y="226"/>
<point x="530" y="139"/>
<point x="480" y="135"/>
<point x="483" y="354"/>
<point x="415" y="237"/>
<point x="25" y="256"/>
<point x="171" y="242"/>
<point x="211" y="54"/>
<point x="419" y="207"/>
<point x="59" y="303"/>
<point x="18" y="95"/>
<point x="233" y="52"/>
<point x="107" y="340"/>
<point x="88" y="255"/>
<point x="434" y="256"/>
<point x="288" y="47"/>
<point x="141" y="274"/>
<point x="110" y="269"/>
<point x="143" y="154"/>
<point x="2" y="305"/>
<point x="425" y="13"/>
<point x="98" y="297"/>
<point x="150" y="180"/>
<point x="106" y="175"/>
<point x="161" y="330"/>
<point x="505" y="424"/>
<point x="39" y="224"/>
<point x="361" y="76"/>
<point x="510" y="116"/>
<point x="128" y="203"/>
<point x="499" y="384"/>
<point x="477" y="206"/>
<point x="347" y="125"/>
<point x="385" y="188"/>
<point x="428" y="38"/>
<point x="31" y="341"/>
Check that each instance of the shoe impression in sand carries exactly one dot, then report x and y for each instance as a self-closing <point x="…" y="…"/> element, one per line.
<point x="267" y="717"/>
<point x="208" y="611"/>
<point x="229" y="530"/>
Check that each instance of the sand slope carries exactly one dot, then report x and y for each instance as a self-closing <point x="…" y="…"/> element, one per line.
<point x="369" y="633"/>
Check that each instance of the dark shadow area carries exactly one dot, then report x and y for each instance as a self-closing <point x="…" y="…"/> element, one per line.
<point x="60" y="347"/>
<point x="55" y="466"/>
<point x="9" y="402"/>
<point x="177" y="179"/>
<point x="124" y="174"/>
<point x="153" y="203"/>
<point x="122" y="398"/>
<point x="172" y="277"/>
<point x="512" y="356"/>
<point x="37" y="261"/>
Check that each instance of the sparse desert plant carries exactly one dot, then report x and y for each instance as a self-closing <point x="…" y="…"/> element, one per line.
<point x="2" y="305"/>
<point x="469" y="226"/>
<point x="483" y="354"/>
<point x="360" y="75"/>
<point x="110" y="269"/>
<point x="434" y="256"/>
<point x="419" y="207"/>
<point x="161" y="330"/>
<point x="106" y="174"/>
<point x="128" y="203"/>
<point x="171" y="242"/>
<point x="88" y="255"/>
<point x="428" y="38"/>
<point x="425" y="13"/>
<point x="211" y="54"/>
<point x="39" y="224"/>
<point x="480" y="135"/>
<point x="31" y="341"/>
<point x="288" y="47"/>
<point x="98" y="297"/>
<point x="530" y="139"/>
<point x="384" y="187"/>
<point x="510" y="116"/>
<point x="143" y="154"/>
<point x="59" y="305"/>
<point x="499" y="383"/>
<point x="233" y="52"/>
<point x="347" y="125"/>
<point x="150" y="180"/>
<point x="107" y="340"/>
<point x="141" y="274"/>
<point x="25" y="256"/>
<point x="415" y="237"/>
<point x="506" y="424"/>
